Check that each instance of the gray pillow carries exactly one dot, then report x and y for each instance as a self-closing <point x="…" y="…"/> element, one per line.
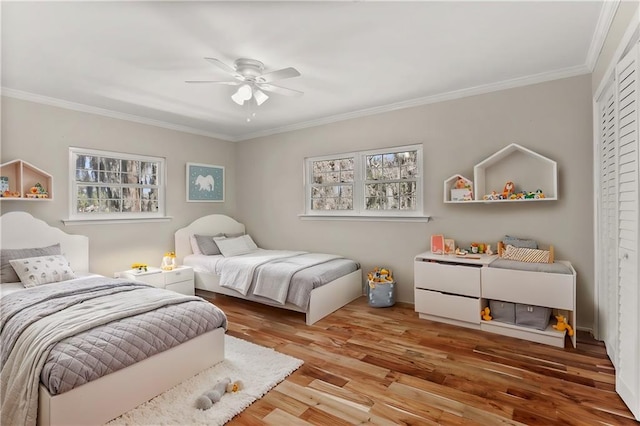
<point x="519" y="242"/>
<point x="239" y="234"/>
<point x="7" y="273"/>
<point x="206" y="244"/>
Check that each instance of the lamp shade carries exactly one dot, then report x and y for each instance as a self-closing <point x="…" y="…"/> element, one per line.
<point x="243" y="94"/>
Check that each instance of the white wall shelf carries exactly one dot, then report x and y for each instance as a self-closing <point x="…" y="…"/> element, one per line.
<point x="528" y="170"/>
<point x="23" y="176"/>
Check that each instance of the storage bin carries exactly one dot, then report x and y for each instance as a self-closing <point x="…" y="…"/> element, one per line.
<point x="382" y="295"/>
<point x="503" y="311"/>
<point x="532" y="316"/>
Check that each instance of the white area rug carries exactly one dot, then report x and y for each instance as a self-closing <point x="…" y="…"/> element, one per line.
<point x="258" y="367"/>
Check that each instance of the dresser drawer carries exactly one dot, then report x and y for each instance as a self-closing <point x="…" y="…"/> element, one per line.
<point x="530" y="288"/>
<point x="460" y="308"/>
<point x="448" y="278"/>
<point x="156" y="280"/>
<point x="184" y="287"/>
<point x="178" y="275"/>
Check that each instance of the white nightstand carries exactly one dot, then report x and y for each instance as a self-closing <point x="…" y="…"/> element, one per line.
<point x="179" y="280"/>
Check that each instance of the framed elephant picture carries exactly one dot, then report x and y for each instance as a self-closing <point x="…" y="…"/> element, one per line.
<point x="205" y="183"/>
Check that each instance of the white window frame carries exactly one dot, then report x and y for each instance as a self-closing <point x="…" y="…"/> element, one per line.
<point x="115" y="217"/>
<point x="359" y="175"/>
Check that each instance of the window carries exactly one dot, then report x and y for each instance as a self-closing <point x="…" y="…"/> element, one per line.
<point x="109" y="185"/>
<point x="386" y="182"/>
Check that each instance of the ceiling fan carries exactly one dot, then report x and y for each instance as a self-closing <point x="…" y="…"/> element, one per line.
<point x="249" y="75"/>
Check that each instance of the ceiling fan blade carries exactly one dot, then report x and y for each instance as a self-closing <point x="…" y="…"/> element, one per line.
<point x="224" y="67"/>
<point x="279" y="89"/>
<point x="278" y="75"/>
<point x="228" y="83"/>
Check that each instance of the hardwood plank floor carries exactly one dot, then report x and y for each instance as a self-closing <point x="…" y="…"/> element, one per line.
<point x="382" y="366"/>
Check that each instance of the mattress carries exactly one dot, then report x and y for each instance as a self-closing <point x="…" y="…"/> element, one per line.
<point x="302" y="282"/>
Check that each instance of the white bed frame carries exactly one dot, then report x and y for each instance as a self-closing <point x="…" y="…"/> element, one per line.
<point x="324" y="300"/>
<point x="101" y="400"/>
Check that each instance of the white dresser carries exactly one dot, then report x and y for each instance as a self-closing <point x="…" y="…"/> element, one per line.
<point x="179" y="279"/>
<point x="455" y="289"/>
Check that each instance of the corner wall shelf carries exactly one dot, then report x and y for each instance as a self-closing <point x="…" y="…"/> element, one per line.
<point x="533" y="175"/>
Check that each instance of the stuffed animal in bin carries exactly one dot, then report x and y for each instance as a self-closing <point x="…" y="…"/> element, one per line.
<point x="563" y="325"/>
<point x="207" y="399"/>
<point x="486" y="314"/>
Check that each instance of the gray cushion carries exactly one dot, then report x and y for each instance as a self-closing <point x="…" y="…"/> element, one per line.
<point x="519" y="242"/>
<point x="239" y="234"/>
<point x="7" y="273"/>
<point x="206" y="244"/>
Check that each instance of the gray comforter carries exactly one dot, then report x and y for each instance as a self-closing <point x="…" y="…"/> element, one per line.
<point x="52" y="334"/>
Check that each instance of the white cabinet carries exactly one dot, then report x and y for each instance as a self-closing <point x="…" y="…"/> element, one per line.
<point x="455" y="289"/>
<point x="179" y="279"/>
<point x="447" y="288"/>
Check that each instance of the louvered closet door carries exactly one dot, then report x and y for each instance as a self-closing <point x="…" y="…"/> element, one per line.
<point x="608" y="222"/>
<point x="628" y="366"/>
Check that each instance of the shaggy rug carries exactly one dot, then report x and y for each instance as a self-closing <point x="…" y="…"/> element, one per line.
<point x="258" y="367"/>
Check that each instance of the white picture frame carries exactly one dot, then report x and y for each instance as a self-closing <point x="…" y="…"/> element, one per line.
<point x="205" y="183"/>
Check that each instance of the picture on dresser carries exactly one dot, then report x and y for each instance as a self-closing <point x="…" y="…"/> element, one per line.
<point x="449" y="246"/>
<point x="437" y="244"/>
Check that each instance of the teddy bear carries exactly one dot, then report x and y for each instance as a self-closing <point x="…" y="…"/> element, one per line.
<point x="207" y="399"/>
<point x="563" y="325"/>
<point x="486" y="314"/>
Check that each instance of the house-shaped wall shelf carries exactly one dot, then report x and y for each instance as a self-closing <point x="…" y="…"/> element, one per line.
<point x="458" y="192"/>
<point x="18" y="177"/>
<point x="532" y="174"/>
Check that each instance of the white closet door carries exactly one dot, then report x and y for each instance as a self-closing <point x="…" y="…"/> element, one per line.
<point x="628" y="365"/>
<point x="608" y="222"/>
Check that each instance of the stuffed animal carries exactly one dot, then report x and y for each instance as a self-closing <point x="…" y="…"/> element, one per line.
<point x="563" y="325"/>
<point x="508" y="190"/>
<point x="485" y="314"/>
<point x="461" y="183"/>
<point x="207" y="399"/>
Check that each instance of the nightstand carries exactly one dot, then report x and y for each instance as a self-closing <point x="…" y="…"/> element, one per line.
<point x="179" y="279"/>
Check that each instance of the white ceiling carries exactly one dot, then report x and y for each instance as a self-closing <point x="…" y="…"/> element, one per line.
<point x="131" y="59"/>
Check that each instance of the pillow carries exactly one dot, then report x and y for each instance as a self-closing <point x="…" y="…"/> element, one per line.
<point x="7" y="273"/>
<point x="236" y="246"/>
<point x="34" y="271"/>
<point x="519" y="242"/>
<point x="239" y="234"/>
<point x="206" y="244"/>
<point x="523" y="254"/>
<point x="194" y="244"/>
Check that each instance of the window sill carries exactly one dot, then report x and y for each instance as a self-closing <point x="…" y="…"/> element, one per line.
<point x="365" y="218"/>
<point x="101" y="221"/>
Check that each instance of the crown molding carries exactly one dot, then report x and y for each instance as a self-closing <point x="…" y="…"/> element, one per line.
<point x="456" y="94"/>
<point x="607" y="13"/>
<point x="61" y="103"/>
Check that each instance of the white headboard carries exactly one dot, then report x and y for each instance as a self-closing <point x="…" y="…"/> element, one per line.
<point x="21" y="230"/>
<point x="206" y="225"/>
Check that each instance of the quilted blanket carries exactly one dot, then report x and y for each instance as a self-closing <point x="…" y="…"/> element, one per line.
<point x="52" y="332"/>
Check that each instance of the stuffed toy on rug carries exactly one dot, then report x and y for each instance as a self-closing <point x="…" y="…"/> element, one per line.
<point x="207" y="399"/>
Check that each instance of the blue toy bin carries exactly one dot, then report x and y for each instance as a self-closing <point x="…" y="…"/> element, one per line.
<point x="381" y="294"/>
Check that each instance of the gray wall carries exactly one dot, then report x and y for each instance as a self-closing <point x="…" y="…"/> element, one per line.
<point x="553" y="119"/>
<point x="41" y="135"/>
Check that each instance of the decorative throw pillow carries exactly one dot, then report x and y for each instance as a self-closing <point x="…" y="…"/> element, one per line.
<point x="34" y="271"/>
<point x="236" y="246"/>
<point x="195" y="249"/>
<point x="7" y="273"/>
<point x="238" y="234"/>
<point x="522" y="254"/>
<point x="206" y="244"/>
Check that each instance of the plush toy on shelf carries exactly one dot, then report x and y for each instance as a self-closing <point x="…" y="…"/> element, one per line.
<point x="508" y="190"/>
<point x="207" y="399"/>
<point x="486" y="314"/>
<point x="563" y="325"/>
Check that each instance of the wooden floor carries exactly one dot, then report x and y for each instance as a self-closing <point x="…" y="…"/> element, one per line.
<point x="364" y="365"/>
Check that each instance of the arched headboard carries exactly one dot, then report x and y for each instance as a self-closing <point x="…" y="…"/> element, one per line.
<point x="206" y="225"/>
<point x="21" y="230"/>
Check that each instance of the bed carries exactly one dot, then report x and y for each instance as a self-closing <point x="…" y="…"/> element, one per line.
<point x="111" y="395"/>
<point x="324" y="298"/>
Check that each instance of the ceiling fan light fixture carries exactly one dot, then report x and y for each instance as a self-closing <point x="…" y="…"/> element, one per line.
<point x="260" y="96"/>
<point x="243" y="94"/>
